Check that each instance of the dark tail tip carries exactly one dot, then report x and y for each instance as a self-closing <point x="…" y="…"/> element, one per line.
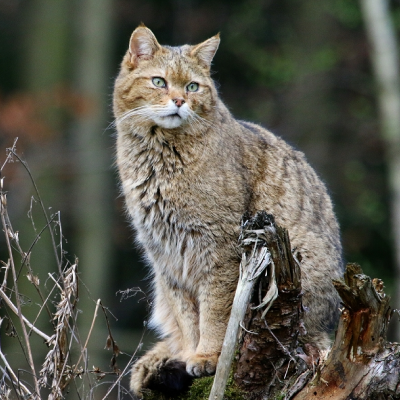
<point x="171" y="378"/>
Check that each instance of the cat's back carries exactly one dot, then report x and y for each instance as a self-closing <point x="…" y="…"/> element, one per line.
<point x="284" y="183"/>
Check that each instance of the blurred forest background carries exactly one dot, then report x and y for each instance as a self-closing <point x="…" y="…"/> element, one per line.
<point x="300" y="68"/>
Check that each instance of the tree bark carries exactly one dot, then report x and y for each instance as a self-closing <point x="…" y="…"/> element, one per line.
<point x="267" y="350"/>
<point x="256" y="257"/>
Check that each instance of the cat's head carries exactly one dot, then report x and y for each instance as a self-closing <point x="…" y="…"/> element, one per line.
<point x="164" y="86"/>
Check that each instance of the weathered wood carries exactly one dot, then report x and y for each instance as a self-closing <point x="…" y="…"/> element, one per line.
<point x="361" y="364"/>
<point x="267" y="349"/>
<point x="255" y="260"/>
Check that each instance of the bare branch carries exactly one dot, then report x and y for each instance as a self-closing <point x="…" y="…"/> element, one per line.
<point x="15" y="311"/>
<point x="19" y="312"/>
<point x="89" y="334"/>
<point x="42" y="206"/>
<point x="14" y="377"/>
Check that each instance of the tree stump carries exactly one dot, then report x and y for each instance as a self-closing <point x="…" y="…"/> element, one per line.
<point x="268" y="346"/>
<point x="271" y="363"/>
<point x="361" y="363"/>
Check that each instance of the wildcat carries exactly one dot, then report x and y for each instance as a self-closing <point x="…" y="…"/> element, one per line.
<point x="189" y="171"/>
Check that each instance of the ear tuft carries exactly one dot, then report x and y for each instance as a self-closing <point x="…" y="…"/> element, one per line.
<point x="143" y="44"/>
<point x="205" y="51"/>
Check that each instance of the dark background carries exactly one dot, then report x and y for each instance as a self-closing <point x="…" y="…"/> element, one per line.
<point x="299" y="68"/>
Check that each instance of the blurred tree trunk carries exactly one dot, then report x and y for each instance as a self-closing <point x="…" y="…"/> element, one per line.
<point x="92" y="206"/>
<point x="44" y="68"/>
<point x="385" y="62"/>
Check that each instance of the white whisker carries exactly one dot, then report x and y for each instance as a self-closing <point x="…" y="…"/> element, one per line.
<point x="163" y="115"/>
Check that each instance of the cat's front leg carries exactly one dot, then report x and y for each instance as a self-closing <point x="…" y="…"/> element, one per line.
<point x="215" y="303"/>
<point x="176" y="316"/>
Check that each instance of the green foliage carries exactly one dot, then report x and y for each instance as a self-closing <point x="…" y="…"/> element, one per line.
<point x="346" y="11"/>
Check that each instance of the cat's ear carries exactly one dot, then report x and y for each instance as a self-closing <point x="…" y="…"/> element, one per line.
<point x="142" y="45"/>
<point x="205" y="51"/>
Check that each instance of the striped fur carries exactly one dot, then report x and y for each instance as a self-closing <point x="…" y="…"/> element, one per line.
<point x="188" y="174"/>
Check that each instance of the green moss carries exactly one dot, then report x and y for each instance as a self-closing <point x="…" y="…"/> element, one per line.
<point x="200" y="390"/>
<point x="232" y="391"/>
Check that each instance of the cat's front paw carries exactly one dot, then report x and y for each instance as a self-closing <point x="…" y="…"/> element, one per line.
<point x="202" y="365"/>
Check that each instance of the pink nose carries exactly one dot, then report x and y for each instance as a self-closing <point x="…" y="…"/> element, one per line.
<point x="178" y="102"/>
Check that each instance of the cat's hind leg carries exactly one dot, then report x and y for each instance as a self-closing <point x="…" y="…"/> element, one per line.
<point x="156" y="370"/>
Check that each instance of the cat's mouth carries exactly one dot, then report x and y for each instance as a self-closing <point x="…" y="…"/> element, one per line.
<point x="169" y="121"/>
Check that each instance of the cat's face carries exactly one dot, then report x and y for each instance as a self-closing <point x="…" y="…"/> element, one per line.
<point x="165" y="86"/>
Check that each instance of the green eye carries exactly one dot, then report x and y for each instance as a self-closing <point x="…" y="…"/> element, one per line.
<point x="192" y="87"/>
<point x="159" y="82"/>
